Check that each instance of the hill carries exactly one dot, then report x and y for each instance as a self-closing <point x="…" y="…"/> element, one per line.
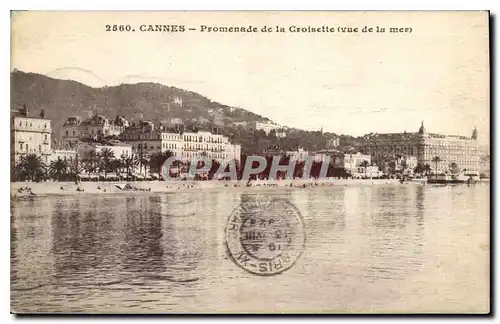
<point x="64" y="98"/>
<point x="149" y="101"/>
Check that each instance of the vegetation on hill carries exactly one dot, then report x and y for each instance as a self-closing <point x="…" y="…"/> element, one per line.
<point x="149" y="101"/>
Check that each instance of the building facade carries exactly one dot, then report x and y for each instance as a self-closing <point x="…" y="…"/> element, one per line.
<point x="333" y="142"/>
<point x="267" y="127"/>
<point x="298" y="155"/>
<point x="74" y="129"/>
<point x="357" y="163"/>
<point x="334" y="157"/>
<point x="30" y="135"/>
<point x="436" y="150"/>
<point x="214" y="146"/>
<point x="146" y="139"/>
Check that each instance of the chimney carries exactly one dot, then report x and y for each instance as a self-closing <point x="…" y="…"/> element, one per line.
<point x="25" y="110"/>
<point x="42" y="113"/>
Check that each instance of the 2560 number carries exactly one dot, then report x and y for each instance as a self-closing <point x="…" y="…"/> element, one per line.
<point x="118" y="28"/>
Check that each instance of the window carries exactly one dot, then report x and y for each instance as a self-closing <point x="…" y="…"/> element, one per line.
<point x="21" y="146"/>
<point x="26" y="147"/>
<point x="46" y="137"/>
<point x="73" y="133"/>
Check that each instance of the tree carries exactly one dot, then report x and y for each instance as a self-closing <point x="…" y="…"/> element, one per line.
<point x="157" y="160"/>
<point x="91" y="162"/>
<point x="436" y="160"/>
<point x="142" y="160"/>
<point x="145" y="162"/>
<point x="58" y="169"/>
<point x="106" y="156"/>
<point x="392" y="166"/>
<point x="427" y="169"/>
<point x="454" y="169"/>
<point x="419" y="168"/>
<point x="115" y="165"/>
<point x="128" y="162"/>
<point x="76" y="168"/>
<point x="404" y="165"/>
<point x="364" y="164"/>
<point x="31" y="167"/>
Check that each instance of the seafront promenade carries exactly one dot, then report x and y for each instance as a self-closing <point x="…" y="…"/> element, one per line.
<point x="70" y="188"/>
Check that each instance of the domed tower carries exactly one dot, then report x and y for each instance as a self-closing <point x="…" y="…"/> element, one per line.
<point x="422" y="128"/>
<point x="474" y="133"/>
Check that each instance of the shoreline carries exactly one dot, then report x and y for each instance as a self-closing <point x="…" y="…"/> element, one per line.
<point x="50" y="188"/>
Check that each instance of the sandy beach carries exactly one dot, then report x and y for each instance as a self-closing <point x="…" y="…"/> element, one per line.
<point x="142" y="187"/>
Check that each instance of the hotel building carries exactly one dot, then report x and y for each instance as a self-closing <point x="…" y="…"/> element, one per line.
<point x="30" y="135"/>
<point x="74" y="129"/>
<point x="147" y="139"/>
<point x="436" y="150"/>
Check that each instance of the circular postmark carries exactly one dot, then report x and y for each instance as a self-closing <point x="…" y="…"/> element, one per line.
<point x="265" y="236"/>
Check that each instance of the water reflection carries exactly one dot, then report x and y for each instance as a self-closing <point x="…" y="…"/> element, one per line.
<point x="166" y="252"/>
<point x="395" y="233"/>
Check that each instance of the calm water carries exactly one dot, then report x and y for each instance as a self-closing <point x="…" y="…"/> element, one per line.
<point x="369" y="249"/>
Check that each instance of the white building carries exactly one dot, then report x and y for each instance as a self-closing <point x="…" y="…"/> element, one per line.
<point x="280" y="133"/>
<point x="267" y="126"/>
<point x="332" y="156"/>
<point x="74" y="129"/>
<point x="356" y="163"/>
<point x="298" y="155"/>
<point x="214" y="146"/>
<point x="146" y="139"/>
<point x="333" y="142"/>
<point x="30" y="135"/>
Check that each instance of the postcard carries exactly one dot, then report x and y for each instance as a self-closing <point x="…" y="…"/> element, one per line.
<point x="250" y="162"/>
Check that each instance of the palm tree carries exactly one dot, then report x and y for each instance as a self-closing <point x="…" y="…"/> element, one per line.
<point x="76" y="168"/>
<point x="145" y="162"/>
<point x="115" y="165"/>
<point x="436" y="160"/>
<point x="128" y="162"/>
<point x="138" y="159"/>
<point x="58" y="169"/>
<point x="91" y="162"/>
<point x="106" y="156"/>
<point x="31" y="166"/>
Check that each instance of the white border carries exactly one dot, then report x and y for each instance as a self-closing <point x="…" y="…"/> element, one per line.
<point x="189" y="5"/>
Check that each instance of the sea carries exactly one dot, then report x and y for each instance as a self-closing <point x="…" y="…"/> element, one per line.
<point x="368" y="249"/>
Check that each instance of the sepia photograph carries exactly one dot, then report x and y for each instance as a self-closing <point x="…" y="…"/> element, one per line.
<point x="250" y="162"/>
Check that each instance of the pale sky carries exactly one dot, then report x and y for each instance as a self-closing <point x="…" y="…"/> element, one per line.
<point x="344" y="83"/>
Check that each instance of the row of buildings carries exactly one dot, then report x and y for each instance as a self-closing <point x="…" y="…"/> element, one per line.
<point x="436" y="150"/>
<point x="399" y="152"/>
<point x="373" y="154"/>
<point x="33" y="135"/>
